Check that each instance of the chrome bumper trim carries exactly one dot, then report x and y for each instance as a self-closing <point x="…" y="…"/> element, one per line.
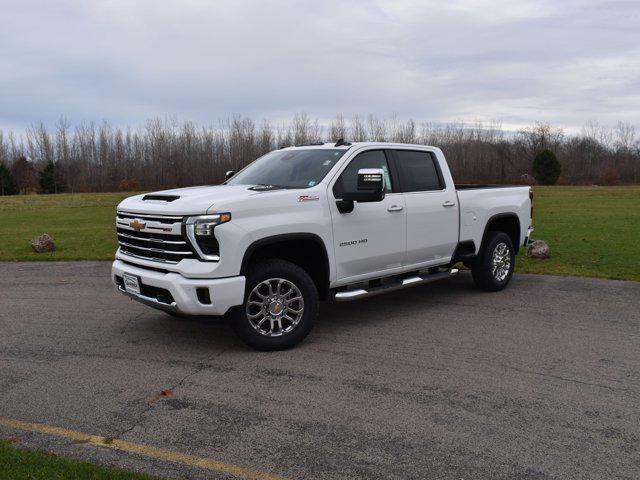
<point x="150" y="301"/>
<point x="527" y="239"/>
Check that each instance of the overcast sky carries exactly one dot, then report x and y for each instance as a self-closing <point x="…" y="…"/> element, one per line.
<point x="516" y="61"/>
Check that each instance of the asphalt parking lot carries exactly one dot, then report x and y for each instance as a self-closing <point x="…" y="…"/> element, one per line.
<point x="440" y="381"/>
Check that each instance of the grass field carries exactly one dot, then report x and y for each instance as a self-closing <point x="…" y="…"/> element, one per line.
<point x="592" y="231"/>
<point x="82" y="225"/>
<point x="19" y="464"/>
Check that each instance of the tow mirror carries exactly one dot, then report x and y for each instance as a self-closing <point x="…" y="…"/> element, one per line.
<point x="370" y="188"/>
<point x="229" y="174"/>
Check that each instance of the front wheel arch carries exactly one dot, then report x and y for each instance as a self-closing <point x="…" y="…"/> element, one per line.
<point x="306" y="250"/>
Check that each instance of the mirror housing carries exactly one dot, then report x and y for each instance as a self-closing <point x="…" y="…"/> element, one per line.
<point x="370" y="188"/>
<point x="229" y="174"/>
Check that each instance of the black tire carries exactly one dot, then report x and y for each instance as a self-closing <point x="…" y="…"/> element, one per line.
<point x="296" y="276"/>
<point x="487" y="278"/>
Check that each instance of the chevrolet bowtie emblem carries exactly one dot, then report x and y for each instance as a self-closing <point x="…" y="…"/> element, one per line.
<point x="137" y="225"/>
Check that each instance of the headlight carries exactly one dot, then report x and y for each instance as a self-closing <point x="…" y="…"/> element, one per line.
<point x="200" y="232"/>
<point x="203" y="225"/>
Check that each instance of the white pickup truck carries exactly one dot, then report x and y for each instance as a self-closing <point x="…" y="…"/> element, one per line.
<point x="309" y="223"/>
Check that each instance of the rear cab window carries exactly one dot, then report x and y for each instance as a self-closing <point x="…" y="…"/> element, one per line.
<point x="418" y="171"/>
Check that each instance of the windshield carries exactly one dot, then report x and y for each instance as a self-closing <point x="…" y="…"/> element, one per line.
<point x="289" y="168"/>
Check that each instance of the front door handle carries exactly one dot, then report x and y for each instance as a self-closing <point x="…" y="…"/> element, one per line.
<point x="394" y="208"/>
<point x="449" y="203"/>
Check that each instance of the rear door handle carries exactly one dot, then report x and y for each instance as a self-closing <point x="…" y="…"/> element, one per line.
<point x="394" y="208"/>
<point x="449" y="203"/>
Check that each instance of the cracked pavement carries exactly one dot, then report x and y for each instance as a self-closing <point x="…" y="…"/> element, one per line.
<point x="539" y="381"/>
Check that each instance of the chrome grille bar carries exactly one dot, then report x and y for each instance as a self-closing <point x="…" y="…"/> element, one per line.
<point x="154" y="240"/>
<point x="156" y="250"/>
<point x="147" y="257"/>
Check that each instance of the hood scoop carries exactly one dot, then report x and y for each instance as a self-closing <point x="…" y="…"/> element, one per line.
<point x="162" y="198"/>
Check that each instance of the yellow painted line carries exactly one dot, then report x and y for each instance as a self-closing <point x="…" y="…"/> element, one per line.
<point x="146" y="450"/>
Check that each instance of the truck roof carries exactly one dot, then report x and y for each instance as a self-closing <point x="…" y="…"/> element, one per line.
<point x="356" y="144"/>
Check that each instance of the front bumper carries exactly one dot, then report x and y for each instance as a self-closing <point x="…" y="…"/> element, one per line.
<point x="172" y="292"/>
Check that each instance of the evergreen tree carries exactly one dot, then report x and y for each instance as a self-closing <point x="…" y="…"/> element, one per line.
<point x="24" y="175"/>
<point x="51" y="180"/>
<point x="7" y="184"/>
<point x="546" y="168"/>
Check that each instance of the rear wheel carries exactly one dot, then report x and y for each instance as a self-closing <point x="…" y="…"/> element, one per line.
<point x="280" y="306"/>
<point x="494" y="266"/>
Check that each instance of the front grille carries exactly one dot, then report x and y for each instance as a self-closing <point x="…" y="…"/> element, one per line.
<point x="160" y="239"/>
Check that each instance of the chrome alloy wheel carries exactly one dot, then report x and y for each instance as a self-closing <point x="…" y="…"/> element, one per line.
<point x="500" y="262"/>
<point x="274" y="307"/>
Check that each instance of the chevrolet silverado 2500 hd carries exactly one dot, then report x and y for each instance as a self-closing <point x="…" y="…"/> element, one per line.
<point x="309" y="223"/>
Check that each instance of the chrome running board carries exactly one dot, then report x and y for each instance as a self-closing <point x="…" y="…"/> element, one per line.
<point x="348" y="295"/>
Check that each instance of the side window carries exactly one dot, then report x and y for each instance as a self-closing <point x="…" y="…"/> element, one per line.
<point x="349" y="178"/>
<point x="418" y="171"/>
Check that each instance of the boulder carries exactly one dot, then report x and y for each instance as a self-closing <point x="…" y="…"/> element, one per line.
<point x="43" y="243"/>
<point x="538" y="249"/>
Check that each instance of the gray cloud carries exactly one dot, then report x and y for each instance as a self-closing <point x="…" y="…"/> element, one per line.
<point x="562" y="62"/>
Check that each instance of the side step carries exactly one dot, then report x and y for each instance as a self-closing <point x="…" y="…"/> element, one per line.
<point x="349" y="295"/>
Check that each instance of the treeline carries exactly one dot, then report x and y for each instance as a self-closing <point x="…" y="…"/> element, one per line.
<point x="166" y="153"/>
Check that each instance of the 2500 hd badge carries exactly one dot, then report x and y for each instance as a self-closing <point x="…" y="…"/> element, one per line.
<point x="354" y="242"/>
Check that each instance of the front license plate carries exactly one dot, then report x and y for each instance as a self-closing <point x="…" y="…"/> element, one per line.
<point x="131" y="283"/>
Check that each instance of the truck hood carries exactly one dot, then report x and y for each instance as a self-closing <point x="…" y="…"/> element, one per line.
<point x="186" y="201"/>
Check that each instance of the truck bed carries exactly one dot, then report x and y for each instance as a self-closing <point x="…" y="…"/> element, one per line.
<point x="480" y="203"/>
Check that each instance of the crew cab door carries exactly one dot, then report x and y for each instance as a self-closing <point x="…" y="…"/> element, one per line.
<point x="371" y="239"/>
<point x="432" y="210"/>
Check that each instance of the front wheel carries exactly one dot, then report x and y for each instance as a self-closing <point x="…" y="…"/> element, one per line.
<point x="280" y="306"/>
<point x="494" y="266"/>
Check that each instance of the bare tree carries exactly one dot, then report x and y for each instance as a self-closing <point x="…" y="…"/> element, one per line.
<point x="301" y="129"/>
<point x="625" y="136"/>
<point x="377" y="129"/>
<point x="167" y="153"/>
<point x="337" y="129"/>
<point x="358" y="130"/>
<point x="540" y="137"/>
